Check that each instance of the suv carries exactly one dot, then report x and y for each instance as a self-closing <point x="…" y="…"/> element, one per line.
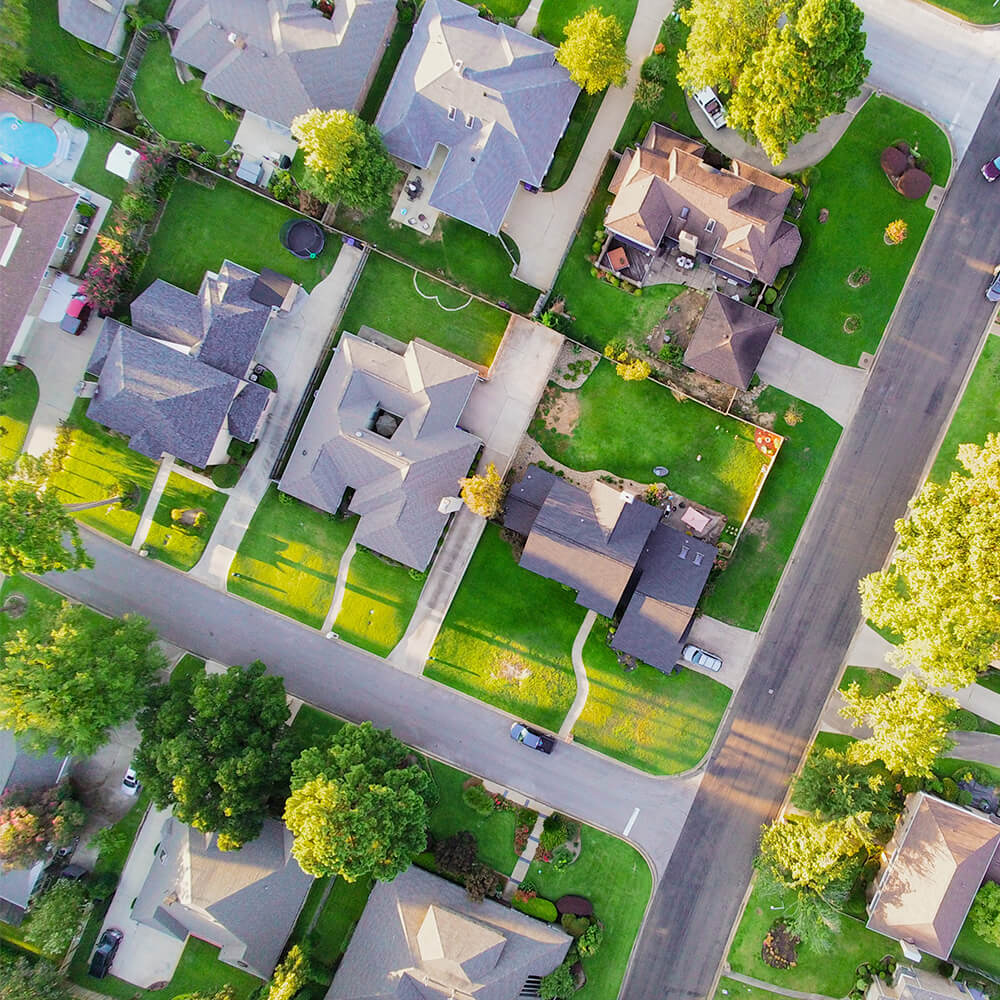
<point x="130" y="783"/>
<point x="104" y="955"/>
<point x="520" y="733"/>
<point x="77" y="315"/>
<point x="697" y="656"/>
<point x="709" y="102"/>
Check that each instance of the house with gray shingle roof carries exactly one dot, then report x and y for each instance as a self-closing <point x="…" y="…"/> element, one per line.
<point x="98" y="22"/>
<point x="384" y="424"/>
<point x="245" y="902"/>
<point x="729" y="341"/>
<point x="494" y="96"/>
<point x="280" y="58"/>
<point x="422" y="938"/>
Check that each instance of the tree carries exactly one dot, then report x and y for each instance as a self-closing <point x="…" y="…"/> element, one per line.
<point x="589" y="943"/>
<point x="345" y="159"/>
<point x="216" y="749"/>
<point x="594" y="51"/>
<point x="909" y="726"/>
<point x="21" y="980"/>
<point x="559" y="984"/>
<point x="835" y="787"/>
<point x="291" y="974"/>
<point x="34" y="822"/>
<point x="357" y="809"/>
<point x="480" y="882"/>
<point x="68" y="676"/>
<point x="458" y="854"/>
<point x="33" y="523"/>
<point x="939" y="594"/>
<point x="483" y="495"/>
<point x="896" y="231"/>
<point x="15" y="23"/>
<point x="635" y="370"/>
<point x="55" y="918"/>
<point x="807" y="852"/>
<point x="985" y="913"/>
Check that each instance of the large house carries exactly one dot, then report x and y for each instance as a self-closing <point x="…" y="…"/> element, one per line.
<point x="667" y="196"/>
<point x="616" y="553"/>
<point x="97" y="22"/>
<point x="179" y="380"/>
<point x="915" y="983"/>
<point x="422" y="938"/>
<point x="245" y="902"/>
<point x="384" y="425"/>
<point x="280" y="58"/>
<point x="493" y="96"/>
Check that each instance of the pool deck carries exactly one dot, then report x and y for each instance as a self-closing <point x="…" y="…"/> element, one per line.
<point x="72" y="140"/>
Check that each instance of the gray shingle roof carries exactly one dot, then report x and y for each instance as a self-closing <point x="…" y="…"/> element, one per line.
<point x="399" y="480"/>
<point x="729" y="340"/>
<point x="99" y="23"/>
<point x="246" y="410"/>
<point x="505" y="82"/>
<point x="245" y="901"/>
<point x="421" y="938"/>
<point x="280" y="58"/>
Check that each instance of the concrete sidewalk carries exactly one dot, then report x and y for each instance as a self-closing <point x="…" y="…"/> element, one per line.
<point x="152" y="502"/>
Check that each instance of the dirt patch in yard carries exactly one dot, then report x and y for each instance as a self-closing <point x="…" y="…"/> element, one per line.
<point x="560" y="410"/>
<point x="680" y="320"/>
<point x="512" y="670"/>
<point x="758" y="527"/>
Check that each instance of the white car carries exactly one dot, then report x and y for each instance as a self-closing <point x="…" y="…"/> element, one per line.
<point x="130" y="783"/>
<point x="698" y="656"/>
<point x="709" y="102"/>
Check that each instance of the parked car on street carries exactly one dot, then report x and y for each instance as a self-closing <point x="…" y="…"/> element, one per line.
<point x="991" y="169"/>
<point x="993" y="292"/>
<point x="77" y="315"/>
<point x="698" y="656"/>
<point x="520" y="733"/>
<point x="709" y="102"/>
<point x="104" y="954"/>
<point x="130" y="783"/>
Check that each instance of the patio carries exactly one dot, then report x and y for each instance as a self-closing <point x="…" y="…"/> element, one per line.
<point x="413" y="207"/>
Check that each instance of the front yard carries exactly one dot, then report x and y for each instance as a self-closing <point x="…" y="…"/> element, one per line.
<point x="176" y="546"/>
<point x="37" y="596"/>
<point x="657" y="723"/>
<point x="18" y="399"/>
<point x="507" y="637"/>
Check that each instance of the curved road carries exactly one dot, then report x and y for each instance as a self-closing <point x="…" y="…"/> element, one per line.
<point x="929" y="346"/>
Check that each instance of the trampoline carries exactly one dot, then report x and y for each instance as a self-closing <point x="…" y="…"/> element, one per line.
<point x="303" y="237"/>
<point x="32" y="143"/>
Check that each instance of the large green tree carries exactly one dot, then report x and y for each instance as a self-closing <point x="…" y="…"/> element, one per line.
<point x="594" y="51"/>
<point x="835" y="787"/>
<point x="346" y="160"/>
<point x="985" y="913"/>
<point x="22" y="980"/>
<point x="15" y="24"/>
<point x="55" y="918"/>
<point x="909" y="725"/>
<point x="34" y="822"/>
<point x="216" y="749"/>
<point x="809" y="853"/>
<point x="33" y="524"/>
<point x="68" y="676"/>
<point x="357" y="808"/>
<point x="942" y="591"/>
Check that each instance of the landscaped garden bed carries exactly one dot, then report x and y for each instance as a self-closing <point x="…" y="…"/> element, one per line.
<point x="183" y="522"/>
<point x="18" y="399"/>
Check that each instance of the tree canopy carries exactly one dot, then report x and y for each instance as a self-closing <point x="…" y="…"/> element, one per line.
<point x="69" y="675"/>
<point x="15" y="24"/>
<point x="835" y="787"/>
<point x="483" y="495"/>
<point x="345" y="159"/>
<point x="216" y="749"/>
<point x="810" y="853"/>
<point x="985" y="913"/>
<point x="56" y="917"/>
<point x="940" y="592"/>
<point x="594" y="51"/>
<point x="21" y="980"/>
<point x="357" y="809"/>
<point x="32" y="822"/>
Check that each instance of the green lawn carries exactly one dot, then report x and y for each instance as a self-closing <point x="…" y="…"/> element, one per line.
<point x="568" y="148"/>
<point x="378" y="603"/>
<point x="187" y="668"/>
<point x="289" y="558"/>
<point x="96" y="462"/>
<point x="733" y="989"/>
<point x="502" y="10"/>
<point x="202" y="227"/>
<point x="973" y="952"/>
<point x="556" y="14"/>
<point x="337" y="920"/>
<point x="616" y="879"/>
<point x="741" y="593"/>
<point x="179" y="111"/>
<point x="657" y="723"/>
<point x="18" y="399"/>
<point x="978" y="413"/>
<point x="455" y="251"/>
<point x="383" y="75"/>
<point x="830" y="974"/>
<point x="37" y="596"/>
<point x="507" y="637"/>
<point x="947" y="767"/>
<point x="91" y="171"/>
<point x="976" y="11"/>
<point x="87" y="79"/>
<point x="385" y="298"/>
<point x="601" y="312"/>
<point x="861" y="202"/>
<point x="311" y="727"/>
<point x="628" y="428"/>
<point x="176" y="546"/>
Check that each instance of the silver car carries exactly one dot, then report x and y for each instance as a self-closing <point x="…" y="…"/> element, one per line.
<point x="993" y="292"/>
<point x="698" y="656"/>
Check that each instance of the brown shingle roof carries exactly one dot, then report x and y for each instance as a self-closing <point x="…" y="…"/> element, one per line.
<point x="729" y="341"/>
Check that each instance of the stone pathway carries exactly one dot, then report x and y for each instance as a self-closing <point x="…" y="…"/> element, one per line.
<point x="582" y="683"/>
<point x="340" y="588"/>
<point x="526" y="858"/>
<point x="152" y="502"/>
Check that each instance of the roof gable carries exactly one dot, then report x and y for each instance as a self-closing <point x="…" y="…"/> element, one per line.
<point x="729" y="341"/>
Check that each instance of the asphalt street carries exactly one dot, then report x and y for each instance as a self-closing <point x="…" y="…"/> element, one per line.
<point x="927" y="350"/>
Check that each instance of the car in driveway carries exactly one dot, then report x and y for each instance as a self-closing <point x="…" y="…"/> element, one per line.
<point x="993" y="292"/>
<point x="77" y="315"/>
<point x="104" y="953"/>
<point x="708" y="100"/>
<point x="520" y="733"/>
<point x="130" y="783"/>
<point x="700" y="658"/>
<point x="991" y="169"/>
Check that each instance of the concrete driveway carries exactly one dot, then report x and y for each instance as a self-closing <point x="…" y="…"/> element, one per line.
<point x="734" y="646"/>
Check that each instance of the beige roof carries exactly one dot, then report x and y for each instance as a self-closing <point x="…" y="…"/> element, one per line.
<point x="941" y="855"/>
<point x="729" y="341"/>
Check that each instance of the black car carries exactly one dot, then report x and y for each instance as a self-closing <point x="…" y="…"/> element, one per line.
<point x="520" y="733"/>
<point x="104" y="955"/>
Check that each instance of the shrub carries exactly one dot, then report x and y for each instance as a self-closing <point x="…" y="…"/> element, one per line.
<point x="457" y="854"/>
<point x="123" y="116"/>
<point x="137" y="207"/>
<point x="102" y="885"/>
<point x="964" y="797"/>
<point x="648" y="94"/>
<point x="282" y="185"/>
<point x="949" y="790"/>
<point x="561" y="857"/>
<point x="225" y="476"/>
<point x="285" y="498"/>
<point x="671" y="353"/>
<point x="525" y="817"/>
<point x="406" y="10"/>
<point x="479" y="800"/>
<point x="573" y="925"/>
<point x="596" y="247"/>
<point x="594" y="272"/>
<point x="963" y="719"/>
<point x="658" y="68"/>
<point x="769" y="296"/>
<point x="86" y="209"/>
<point x="481" y="882"/>
<point x="554" y="832"/>
<point x="144" y="131"/>
<point x="537" y="907"/>
<point x="560" y="984"/>
<point x="896" y="231"/>
<point x="590" y="943"/>
<point x="209" y="160"/>
<point x="55" y="918"/>
<point x="188" y="150"/>
<point x="634" y="371"/>
<point x="240" y="451"/>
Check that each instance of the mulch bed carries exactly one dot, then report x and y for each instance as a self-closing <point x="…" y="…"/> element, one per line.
<point x="779" y="947"/>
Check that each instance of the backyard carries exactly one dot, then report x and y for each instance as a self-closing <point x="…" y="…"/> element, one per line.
<point x="289" y="558"/>
<point x="507" y="637"/>
<point x="95" y="466"/>
<point x="18" y="399"/>
<point x="386" y="298"/>
<point x="741" y="593"/>
<point x="628" y="428"/>
<point x="182" y="547"/>
<point x="91" y="171"/>
<point x="850" y="186"/>
<point x="657" y="723"/>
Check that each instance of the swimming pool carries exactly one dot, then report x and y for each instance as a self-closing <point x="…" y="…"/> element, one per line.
<point x="30" y="142"/>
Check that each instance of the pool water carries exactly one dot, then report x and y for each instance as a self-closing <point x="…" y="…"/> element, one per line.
<point x="30" y="142"/>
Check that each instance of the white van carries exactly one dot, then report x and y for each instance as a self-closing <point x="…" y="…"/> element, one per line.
<point x="709" y="102"/>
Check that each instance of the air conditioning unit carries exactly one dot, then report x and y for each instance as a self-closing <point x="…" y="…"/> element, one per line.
<point x="628" y="497"/>
<point x="254" y="377"/>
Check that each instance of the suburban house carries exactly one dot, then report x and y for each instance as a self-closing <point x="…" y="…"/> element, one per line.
<point x="19" y="769"/>
<point x="493" y="97"/>
<point x="914" y="983"/>
<point x="35" y="214"/>
<point x="667" y="197"/>
<point x="279" y="58"/>
<point x="384" y="426"/>
<point x="97" y="22"/>
<point x="933" y="866"/>
<point x="245" y="902"/>
<point x="729" y="341"/>
<point x="179" y="381"/>
<point x="615" y="552"/>
<point x="422" y="937"/>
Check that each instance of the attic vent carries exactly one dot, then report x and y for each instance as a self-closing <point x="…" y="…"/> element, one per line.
<point x="685" y="212"/>
<point x="683" y="554"/>
<point x="458" y="65"/>
<point x="470" y="120"/>
<point x="698" y="557"/>
<point x="451" y="114"/>
<point x="628" y="497"/>
<point x="232" y="36"/>
<point x="710" y="225"/>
